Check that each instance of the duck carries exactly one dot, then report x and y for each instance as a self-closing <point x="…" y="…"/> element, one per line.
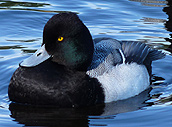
<point x="71" y="69"/>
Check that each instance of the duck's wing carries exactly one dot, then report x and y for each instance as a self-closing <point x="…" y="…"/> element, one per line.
<point x="110" y="52"/>
<point x="106" y="50"/>
<point x="140" y="53"/>
<point x="106" y="55"/>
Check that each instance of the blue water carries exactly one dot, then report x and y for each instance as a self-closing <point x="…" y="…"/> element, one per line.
<point x="21" y="25"/>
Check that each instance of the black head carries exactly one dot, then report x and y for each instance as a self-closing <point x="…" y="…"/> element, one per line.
<point x="69" y="41"/>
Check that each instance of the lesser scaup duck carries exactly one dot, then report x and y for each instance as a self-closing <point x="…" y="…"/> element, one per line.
<point x="72" y="70"/>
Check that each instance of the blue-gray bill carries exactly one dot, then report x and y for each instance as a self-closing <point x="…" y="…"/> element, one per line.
<point x="38" y="57"/>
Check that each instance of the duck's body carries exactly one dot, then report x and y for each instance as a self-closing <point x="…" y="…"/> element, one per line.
<point x="74" y="72"/>
<point x="123" y="68"/>
<point x="53" y="84"/>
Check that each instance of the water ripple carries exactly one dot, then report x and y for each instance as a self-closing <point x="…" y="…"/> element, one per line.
<point x="149" y="21"/>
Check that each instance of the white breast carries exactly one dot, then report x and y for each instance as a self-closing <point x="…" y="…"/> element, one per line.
<point x="123" y="81"/>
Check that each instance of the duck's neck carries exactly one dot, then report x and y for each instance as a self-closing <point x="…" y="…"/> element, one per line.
<point x="75" y="57"/>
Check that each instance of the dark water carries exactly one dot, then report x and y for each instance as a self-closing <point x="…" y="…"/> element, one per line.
<point x="21" y="25"/>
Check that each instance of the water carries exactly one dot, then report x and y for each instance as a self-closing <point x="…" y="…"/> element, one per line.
<point x="21" y="25"/>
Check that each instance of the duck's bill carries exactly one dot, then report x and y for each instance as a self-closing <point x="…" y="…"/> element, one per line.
<point x="38" y="57"/>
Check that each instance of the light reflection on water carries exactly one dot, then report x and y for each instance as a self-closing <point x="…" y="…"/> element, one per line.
<point x="21" y="25"/>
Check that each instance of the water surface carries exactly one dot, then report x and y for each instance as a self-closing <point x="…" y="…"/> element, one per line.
<point x="21" y="25"/>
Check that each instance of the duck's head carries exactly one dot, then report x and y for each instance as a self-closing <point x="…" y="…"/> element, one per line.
<point x="67" y="41"/>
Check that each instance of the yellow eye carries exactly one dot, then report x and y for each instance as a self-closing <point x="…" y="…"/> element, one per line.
<point x="60" y="39"/>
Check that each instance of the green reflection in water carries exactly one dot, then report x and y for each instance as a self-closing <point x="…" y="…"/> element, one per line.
<point x="11" y="47"/>
<point x="23" y="48"/>
<point x="27" y="9"/>
<point x="15" y="5"/>
<point x="28" y="51"/>
<point x="30" y="40"/>
<point x="17" y="47"/>
<point x="4" y="3"/>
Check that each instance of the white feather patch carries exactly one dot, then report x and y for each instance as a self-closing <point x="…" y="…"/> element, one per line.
<point x="123" y="81"/>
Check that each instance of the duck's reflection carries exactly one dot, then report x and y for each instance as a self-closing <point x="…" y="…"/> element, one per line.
<point x="50" y="116"/>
